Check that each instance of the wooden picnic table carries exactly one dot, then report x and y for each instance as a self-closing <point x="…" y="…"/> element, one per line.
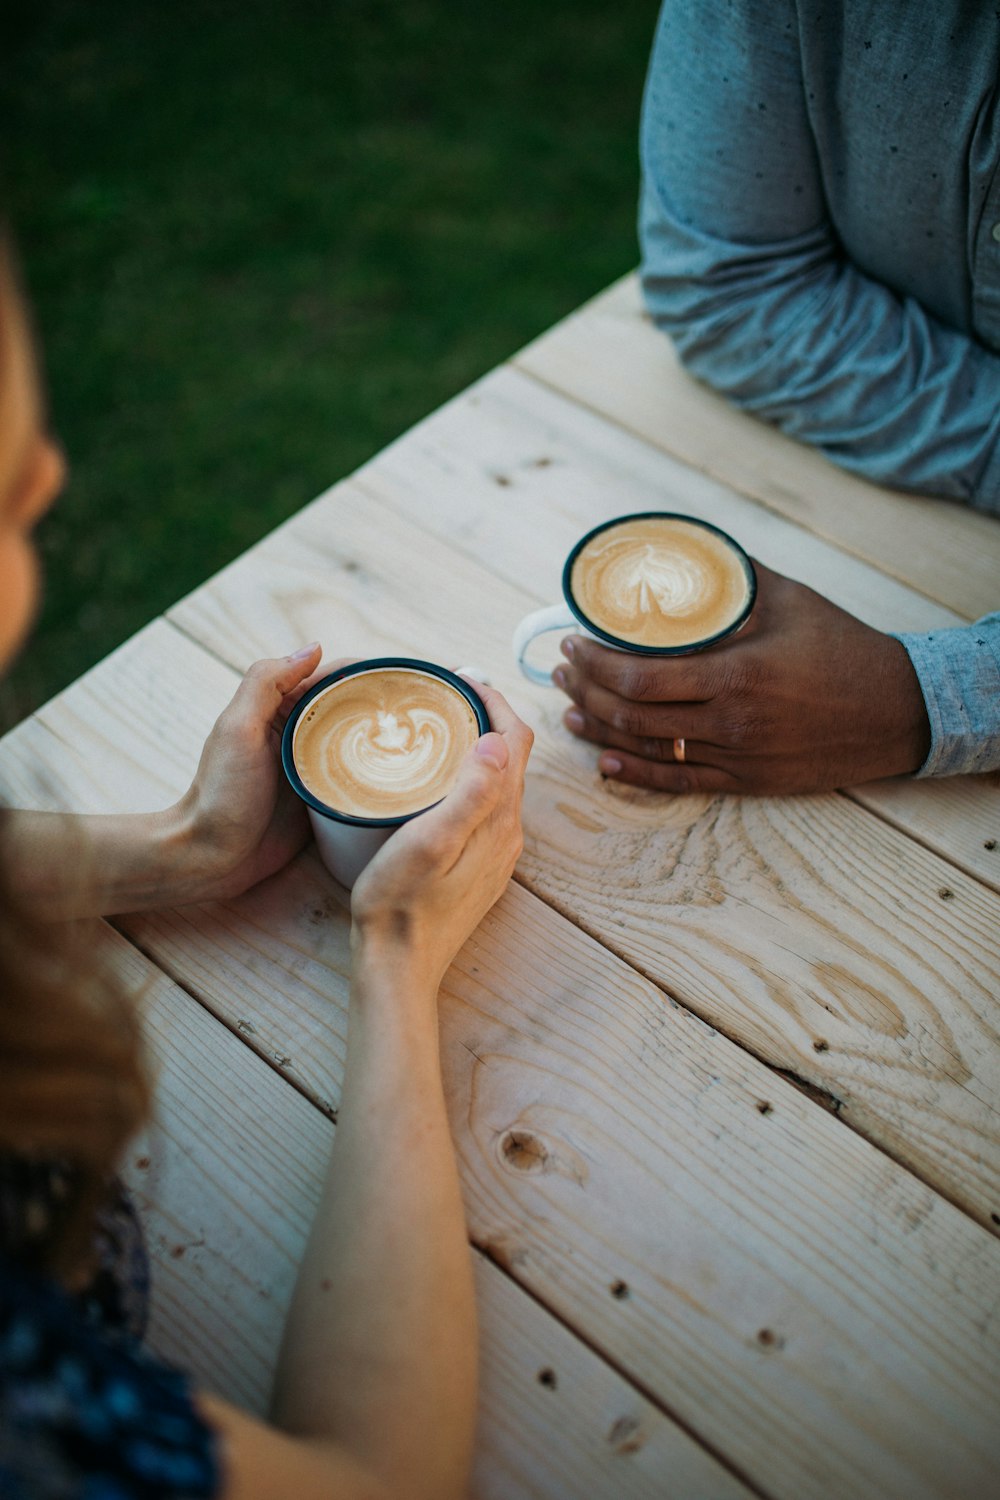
<point x="723" y="1073"/>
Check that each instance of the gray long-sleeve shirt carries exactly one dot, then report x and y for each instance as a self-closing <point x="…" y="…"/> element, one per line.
<point x="820" y="227"/>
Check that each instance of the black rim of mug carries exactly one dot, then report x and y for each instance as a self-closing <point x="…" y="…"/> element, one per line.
<point x="631" y="646"/>
<point x="355" y="669"/>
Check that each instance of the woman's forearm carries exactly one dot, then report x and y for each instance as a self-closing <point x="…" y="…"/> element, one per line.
<point x="380" y="1345"/>
<point x="68" y="866"/>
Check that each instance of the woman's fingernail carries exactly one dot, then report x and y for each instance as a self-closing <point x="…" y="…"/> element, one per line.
<point x="559" y="677"/>
<point x="610" y="766"/>
<point x="573" y="719"/>
<point x="305" y="651"/>
<point x="567" y="647"/>
<point x="493" y="747"/>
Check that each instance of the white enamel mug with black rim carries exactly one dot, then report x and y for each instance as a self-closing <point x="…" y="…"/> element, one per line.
<point x="569" y="616"/>
<point x="345" y="842"/>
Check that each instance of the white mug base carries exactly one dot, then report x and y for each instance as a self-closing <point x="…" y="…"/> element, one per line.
<point x="345" y="848"/>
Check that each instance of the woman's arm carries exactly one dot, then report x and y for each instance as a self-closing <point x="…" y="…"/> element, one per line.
<point x="375" y="1390"/>
<point x="237" y="823"/>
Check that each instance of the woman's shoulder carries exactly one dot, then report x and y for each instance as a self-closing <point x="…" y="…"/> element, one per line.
<point x="81" y="1412"/>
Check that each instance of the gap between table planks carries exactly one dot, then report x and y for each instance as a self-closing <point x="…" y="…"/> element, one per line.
<point x="508" y="449"/>
<point x="227" y="1179"/>
<point x="790" y="1288"/>
<point x="609" y="356"/>
<point x="809" y="930"/>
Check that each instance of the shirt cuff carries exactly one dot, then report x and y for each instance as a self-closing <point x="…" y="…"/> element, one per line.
<point x="959" y="675"/>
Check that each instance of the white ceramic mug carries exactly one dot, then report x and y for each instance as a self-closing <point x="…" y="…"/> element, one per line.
<point x="569" y="616"/>
<point x="346" y="843"/>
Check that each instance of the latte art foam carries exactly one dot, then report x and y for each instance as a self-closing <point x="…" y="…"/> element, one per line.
<point x="384" y="743"/>
<point x="659" y="581"/>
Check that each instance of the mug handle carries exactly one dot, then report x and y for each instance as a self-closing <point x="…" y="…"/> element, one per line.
<point x="553" y="617"/>
<point x="476" y="672"/>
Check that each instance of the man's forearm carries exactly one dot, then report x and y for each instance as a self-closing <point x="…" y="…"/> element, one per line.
<point x="763" y="239"/>
<point x="831" y="356"/>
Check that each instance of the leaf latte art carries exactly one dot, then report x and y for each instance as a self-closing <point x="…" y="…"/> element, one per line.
<point x="384" y="743"/>
<point x="660" y="581"/>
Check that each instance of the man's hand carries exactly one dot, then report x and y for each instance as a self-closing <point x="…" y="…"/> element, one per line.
<point x="805" y="698"/>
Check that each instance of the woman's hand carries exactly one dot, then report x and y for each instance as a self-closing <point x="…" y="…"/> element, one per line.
<point x="238" y="822"/>
<point x="430" y="886"/>
<point x="241" y="819"/>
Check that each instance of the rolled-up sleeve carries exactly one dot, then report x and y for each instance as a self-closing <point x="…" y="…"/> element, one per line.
<point x="959" y="674"/>
<point x="742" y="269"/>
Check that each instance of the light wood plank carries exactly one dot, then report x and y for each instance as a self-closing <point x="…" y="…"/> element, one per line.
<point x="804" y="927"/>
<point x="477" y="470"/>
<point x="227" y="1180"/>
<point x="780" y="1279"/>
<point x="957" y="816"/>
<point x="610" y="357"/>
<point x="512" y="474"/>
<point x="796" y="1298"/>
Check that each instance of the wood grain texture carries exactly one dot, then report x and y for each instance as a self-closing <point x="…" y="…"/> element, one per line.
<point x="797" y="1299"/>
<point x="609" y="357"/>
<point x="512" y="475"/>
<point x="227" y="1180"/>
<point x="809" y="930"/>
<point x="766" y="1275"/>
<point x="559" y="466"/>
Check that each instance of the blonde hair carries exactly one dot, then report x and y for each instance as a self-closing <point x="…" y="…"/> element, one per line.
<point x="73" y="1086"/>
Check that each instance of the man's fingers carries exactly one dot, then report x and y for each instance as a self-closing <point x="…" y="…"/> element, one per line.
<point x="636" y="721"/>
<point x="643" y="679"/>
<point x="656" y="747"/>
<point x="618" y="765"/>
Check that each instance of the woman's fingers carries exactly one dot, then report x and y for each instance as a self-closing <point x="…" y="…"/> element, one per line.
<point x="488" y="788"/>
<point x="491" y="773"/>
<point x="316" y="674"/>
<point x="439" y="837"/>
<point x="505" y="722"/>
<point x="258" y="699"/>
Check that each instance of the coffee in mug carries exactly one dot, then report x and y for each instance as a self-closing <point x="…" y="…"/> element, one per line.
<point x="373" y="745"/>
<point x="656" y="583"/>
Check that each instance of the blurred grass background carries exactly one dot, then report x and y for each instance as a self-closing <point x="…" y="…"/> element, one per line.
<point x="262" y="238"/>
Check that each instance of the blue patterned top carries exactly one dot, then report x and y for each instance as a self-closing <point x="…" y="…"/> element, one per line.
<point x="85" y="1412"/>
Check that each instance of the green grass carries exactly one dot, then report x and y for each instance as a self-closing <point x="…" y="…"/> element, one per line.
<point x="262" y="239"/>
